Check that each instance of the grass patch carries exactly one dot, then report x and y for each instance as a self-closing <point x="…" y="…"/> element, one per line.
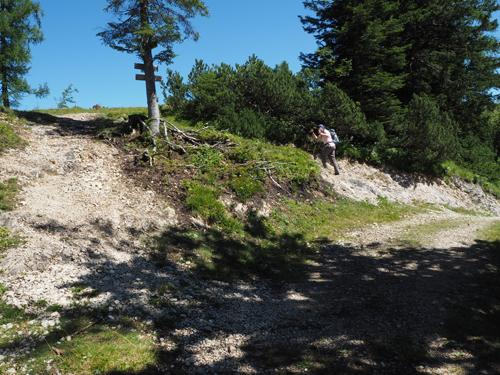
<point x="9" y="138"/>
<point x="217" y="255"/>
<point x="466" y="211"/>
<point x="245" y="186"/>
<point x="330" y="220"/>
<point x="418" y="234"/>
<point x="8" y="191"/>
<point x="108" y="112"/>
<point x="203" y="200"/>
<point x="490" y="233"/>
<point x="102" y="349"/>
<point x="8" y="313"/>
<point x="7" y="240"/>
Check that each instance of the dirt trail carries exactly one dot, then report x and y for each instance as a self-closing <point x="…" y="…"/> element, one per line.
<point x="76" y="211"/>
<point x="368" y="304"/>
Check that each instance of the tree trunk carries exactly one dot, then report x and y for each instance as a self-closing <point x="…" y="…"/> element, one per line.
<point x="149" y="72"/>
<point x="5" y="91"/>
<point x="3" y="75"/>
<point x="153" y="108"/>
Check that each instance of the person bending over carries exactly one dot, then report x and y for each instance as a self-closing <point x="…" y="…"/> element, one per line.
<point x="324" y="136"/>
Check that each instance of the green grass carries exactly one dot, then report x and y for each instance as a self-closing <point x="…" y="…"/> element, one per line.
<point x="108" y="112"/>
<point x="93" y="348"/>
<point x="490" y="233"/>
<point x="7" y="240"/>
<point x="331" y="220"/>
<point x="418" y="234"/>
<point x="203" y="200"/>
<point x="8" y="191"/>
<point x="9" y="138"/>
<point x="101" y="349"/>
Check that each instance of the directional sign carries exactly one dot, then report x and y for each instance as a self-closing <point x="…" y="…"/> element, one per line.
<point x="141" y="67"/>
<point x="142" y="77"/>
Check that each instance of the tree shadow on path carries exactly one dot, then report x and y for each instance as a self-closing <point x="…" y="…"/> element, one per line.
<point x="390" y="311"/>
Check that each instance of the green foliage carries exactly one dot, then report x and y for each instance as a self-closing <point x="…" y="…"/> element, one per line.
<point x="8" y="191"/>
<point x="245" y="186"/>
<point x="405" y="63"/>
<point x="252" y="100"/>
<point x="7" y="240"/>
<point x="67" y="97"/>
<point x="8" y="138"/>
<point x="143" y="25"/>
<point x="206" y="158"/>
<point x="247" y="123"/>
<point x="287" y="163"/>
<point x="331" y="220"/>
<point x="203" y="200"/>
<point x="19" y="29"/>
<point x="427" y="135"/>
<point x="340" y="112"/>
<point x="177" y="90"/>
<point x="489" y="183"/>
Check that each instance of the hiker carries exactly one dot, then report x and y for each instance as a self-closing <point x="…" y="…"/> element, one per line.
<point x="328" y="146"/>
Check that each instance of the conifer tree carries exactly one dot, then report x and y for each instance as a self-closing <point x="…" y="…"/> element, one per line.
<point x="143" y="26"/>
<point x="19" y="29"/>
<point x="360" y="50"/>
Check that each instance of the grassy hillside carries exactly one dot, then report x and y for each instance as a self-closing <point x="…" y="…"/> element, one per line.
<point x="247" y="207"/>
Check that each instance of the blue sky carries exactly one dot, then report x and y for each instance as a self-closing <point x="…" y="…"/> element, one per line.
<point x="72" y="54"/>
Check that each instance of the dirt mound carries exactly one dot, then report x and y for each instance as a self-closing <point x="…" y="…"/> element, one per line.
<point x="363" y="182"/>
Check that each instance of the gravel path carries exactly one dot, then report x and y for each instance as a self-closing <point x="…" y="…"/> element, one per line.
<point x="77" y="212"/>
<point x="367" y="305"/>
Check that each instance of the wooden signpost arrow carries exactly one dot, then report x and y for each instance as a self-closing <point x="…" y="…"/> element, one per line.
<point x="142" y="77"/>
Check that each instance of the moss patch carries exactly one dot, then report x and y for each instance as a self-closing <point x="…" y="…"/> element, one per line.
<point x="8" y="191"/>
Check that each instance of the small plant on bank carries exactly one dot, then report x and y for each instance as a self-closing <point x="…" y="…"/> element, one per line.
<point x="9" y="138"/>
<point x="8" y="191"/>
<point x="7" y="240"/>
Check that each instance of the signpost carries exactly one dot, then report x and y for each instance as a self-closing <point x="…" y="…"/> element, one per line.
<point x="153" y="108"/>
<point x="142" y="77"/>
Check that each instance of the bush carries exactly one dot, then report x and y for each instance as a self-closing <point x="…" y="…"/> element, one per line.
<point x="245" y="186"/>
<point x="246" y="123"/>
<point x="203" y="200"/>
<point x="8" y="138"/>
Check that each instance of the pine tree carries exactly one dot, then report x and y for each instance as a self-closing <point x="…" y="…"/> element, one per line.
<point x="143" y="26"/>
<point x="360" y="50"/>
<point x="452" y="55"/>
<point x="19" y="29"/>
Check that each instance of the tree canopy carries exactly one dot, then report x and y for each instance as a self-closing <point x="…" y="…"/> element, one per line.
<point x="20" y="27"/>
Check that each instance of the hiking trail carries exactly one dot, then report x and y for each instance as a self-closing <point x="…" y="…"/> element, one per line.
<point x="82" y="219"/>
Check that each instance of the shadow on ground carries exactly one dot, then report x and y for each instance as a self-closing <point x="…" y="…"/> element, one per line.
<point x="351" y="311"/>
<point x="358" y="311"/>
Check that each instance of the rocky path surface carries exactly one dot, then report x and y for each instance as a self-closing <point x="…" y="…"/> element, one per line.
<point x="368" y="304"/>
<point x="77" y="212"/>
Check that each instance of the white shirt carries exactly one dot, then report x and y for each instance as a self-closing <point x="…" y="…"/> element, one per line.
<point x="325" y="136"/>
